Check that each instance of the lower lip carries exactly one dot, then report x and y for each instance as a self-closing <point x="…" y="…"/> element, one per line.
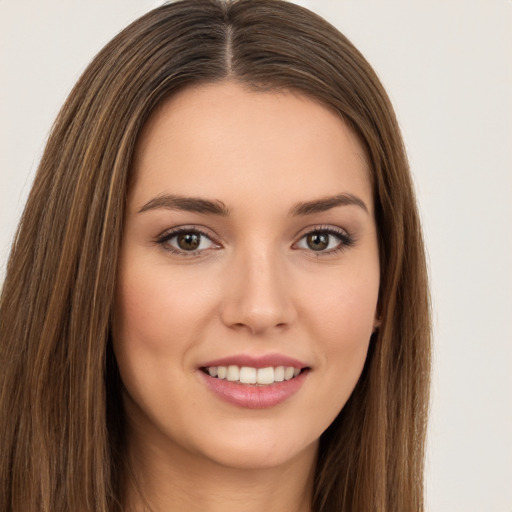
<point x="250" y="396"/>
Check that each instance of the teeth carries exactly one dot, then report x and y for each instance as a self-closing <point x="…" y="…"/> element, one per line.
<point x="233" y="373"/>
<point x="288" y="373"/>
<point x="279" y="374"/>
<point x="266" y="375"/>
<point x="249" y="375"/>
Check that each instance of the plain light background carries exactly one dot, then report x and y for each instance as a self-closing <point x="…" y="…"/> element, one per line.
<point x="447" y="65"/>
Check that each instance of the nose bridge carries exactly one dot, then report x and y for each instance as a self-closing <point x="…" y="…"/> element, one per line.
<point x="258" y="296"/>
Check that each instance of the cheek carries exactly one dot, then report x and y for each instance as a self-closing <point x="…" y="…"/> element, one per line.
<point x="341" y="321"/>
<point x="152" y="309"/>
<point x="143" y="328"/>
<point x="159" y="320"/>
<point x="151" y="333"/>
<point x="344" y="309"/>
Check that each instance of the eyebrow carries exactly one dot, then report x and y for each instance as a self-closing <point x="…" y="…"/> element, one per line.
<point x="326" y="203"/>
<point x="189" y="204"/>
<point x="216" y="207"/>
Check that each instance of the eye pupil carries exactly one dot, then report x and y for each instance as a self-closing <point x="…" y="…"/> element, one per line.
<point x="189" y="241"/>
<point x="318" y="241"/>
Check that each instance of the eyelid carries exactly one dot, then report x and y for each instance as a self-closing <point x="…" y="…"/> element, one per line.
<point x="169" y="234"/>
<point x="347" y="240"/>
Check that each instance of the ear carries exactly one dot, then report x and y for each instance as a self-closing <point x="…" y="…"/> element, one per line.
<point x="376" y="323"/>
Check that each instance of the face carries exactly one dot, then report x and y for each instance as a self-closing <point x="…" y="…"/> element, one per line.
<point x="248" y="277"/>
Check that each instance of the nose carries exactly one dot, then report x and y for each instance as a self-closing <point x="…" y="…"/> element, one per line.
<point x="258" y="295"/>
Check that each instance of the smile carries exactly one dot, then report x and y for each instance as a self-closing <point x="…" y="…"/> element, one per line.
<point x="251" y="387"/>
<point x="250" y="375"/>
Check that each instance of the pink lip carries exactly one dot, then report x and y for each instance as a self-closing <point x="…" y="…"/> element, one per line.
<point x="256" y="361"/>
<point x="253" y="396"/>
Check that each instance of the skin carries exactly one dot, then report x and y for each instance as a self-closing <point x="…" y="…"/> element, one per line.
<point x="255" y="287"/>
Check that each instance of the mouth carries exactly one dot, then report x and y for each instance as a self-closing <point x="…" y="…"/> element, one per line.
<point x="249" y="375"/>
<point x="255" y="382"/>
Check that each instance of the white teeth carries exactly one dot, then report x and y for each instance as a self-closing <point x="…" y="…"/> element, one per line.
<point x="279" y="374"/>
<point x="288" y="373"/>
<point x="266" y="375"/>
<point x="233" y="373"/>
<point x="249" y="375"/>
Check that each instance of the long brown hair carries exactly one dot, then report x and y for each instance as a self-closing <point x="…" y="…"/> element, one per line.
<point x="61" y="423"/>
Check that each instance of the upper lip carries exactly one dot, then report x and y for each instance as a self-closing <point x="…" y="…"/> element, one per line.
<point x="263" y="361"/>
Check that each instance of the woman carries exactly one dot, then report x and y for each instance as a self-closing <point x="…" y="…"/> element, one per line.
<point x="222" y="279"/>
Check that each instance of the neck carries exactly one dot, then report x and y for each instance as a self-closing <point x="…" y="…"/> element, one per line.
<point x="173" y="479"/>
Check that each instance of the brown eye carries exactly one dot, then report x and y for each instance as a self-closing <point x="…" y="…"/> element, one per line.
<point x="317" y="241"/>
<point x="326" y="241"/>
<point x="188" y="241"/>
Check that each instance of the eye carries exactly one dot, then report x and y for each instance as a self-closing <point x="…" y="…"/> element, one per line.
<point x="325" y="240"/>
<point x="186" y="241"/>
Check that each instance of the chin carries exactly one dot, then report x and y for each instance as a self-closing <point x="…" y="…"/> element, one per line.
<point x="258" y="447"/>
<point x="255" y="458"/>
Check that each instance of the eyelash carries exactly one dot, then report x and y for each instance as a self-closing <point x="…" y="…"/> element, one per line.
<point x="345" y="240"/>
<point x="165" y="238"/>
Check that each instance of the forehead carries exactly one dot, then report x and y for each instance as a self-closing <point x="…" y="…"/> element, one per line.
<point x="210" y="136"/>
